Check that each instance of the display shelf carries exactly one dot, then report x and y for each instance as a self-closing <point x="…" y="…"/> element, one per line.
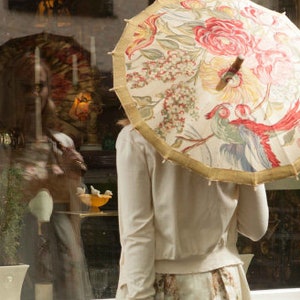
<point x="86" y="214"/>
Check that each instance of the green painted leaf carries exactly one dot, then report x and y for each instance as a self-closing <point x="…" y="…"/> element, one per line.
<point x="188" y="27"/>
<point x="164" y="27"/>
<point x="146" y="112"/>
<point x="128" y="66"/>
<point x="177" y="143"/>
<point x="152" y="54"/>
<point x="289" y="137"/>
<point x="143" y="101"/>
<point x="168" y="44"/>
<point x="183" y="39"/>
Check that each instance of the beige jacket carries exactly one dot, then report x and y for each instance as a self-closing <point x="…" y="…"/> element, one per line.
<point x="174" y="221"/>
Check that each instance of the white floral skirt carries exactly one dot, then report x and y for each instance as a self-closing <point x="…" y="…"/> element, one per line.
<point x="227" y="283"/>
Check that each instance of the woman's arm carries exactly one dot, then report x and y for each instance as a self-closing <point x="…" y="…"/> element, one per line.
<point x="135" y="217"/>
<point x="253" y="212"/>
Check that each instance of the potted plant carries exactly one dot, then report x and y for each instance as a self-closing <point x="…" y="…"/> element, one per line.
<point x="12" y="209"/>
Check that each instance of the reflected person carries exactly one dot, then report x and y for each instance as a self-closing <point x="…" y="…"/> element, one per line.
<point x="50" y="162"/>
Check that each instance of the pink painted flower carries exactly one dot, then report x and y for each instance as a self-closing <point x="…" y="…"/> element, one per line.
<point x="224" y="37"/>
<point x="273" y="65"/>
<point x="259" y="16"/>
<point x="144" y="36"/>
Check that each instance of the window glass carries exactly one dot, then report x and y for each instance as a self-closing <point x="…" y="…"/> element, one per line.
<point x="275" y="263"/>
<point x="92" y="8"/>
<point x="57" y="149"/>
<point x="57" y="137"/>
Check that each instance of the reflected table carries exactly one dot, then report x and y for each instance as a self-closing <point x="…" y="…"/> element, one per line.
<point x="86" y="214"/>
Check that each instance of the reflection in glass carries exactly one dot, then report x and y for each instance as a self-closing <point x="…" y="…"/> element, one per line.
<point x="52" y="247"/>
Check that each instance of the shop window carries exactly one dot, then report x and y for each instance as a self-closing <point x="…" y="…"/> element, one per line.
<point x="70" y="47"/>
<point x="276" y="256"/>
<point x="91" y="8"/>
<point x="289" y="7"/>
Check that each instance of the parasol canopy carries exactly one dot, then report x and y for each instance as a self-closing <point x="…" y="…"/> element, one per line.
<point x="214" y="86"/>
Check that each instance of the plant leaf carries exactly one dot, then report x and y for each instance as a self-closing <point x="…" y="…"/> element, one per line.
<point x="146" y="112"/>
<point x="183" y="39"/>
<point x="152" y="54"/>
<point x="168" y="44"/>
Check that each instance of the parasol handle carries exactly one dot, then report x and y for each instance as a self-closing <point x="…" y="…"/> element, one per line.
<point x="237" y="64"/>
<point x="234" y="68"/>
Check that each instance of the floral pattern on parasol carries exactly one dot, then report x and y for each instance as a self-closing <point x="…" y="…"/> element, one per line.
<point x="168" y="64"/>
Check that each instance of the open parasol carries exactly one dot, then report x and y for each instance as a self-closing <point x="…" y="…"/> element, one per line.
<point x="214" y="86"/>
